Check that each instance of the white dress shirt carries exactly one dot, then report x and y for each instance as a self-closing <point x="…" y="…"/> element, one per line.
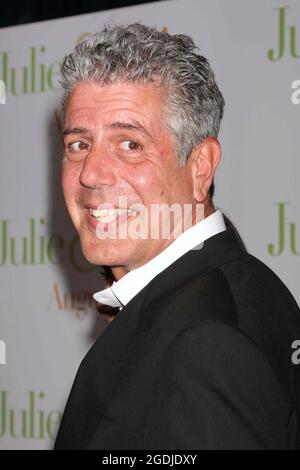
<point x="122" y="291"/>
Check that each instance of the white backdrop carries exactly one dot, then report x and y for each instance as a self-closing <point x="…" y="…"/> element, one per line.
<point x="47" y="318"/>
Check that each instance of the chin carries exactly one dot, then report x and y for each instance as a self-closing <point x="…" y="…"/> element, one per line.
<point x="103" y="254"/>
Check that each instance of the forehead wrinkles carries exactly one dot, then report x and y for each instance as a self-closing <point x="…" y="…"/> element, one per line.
<point x="99" y="113"/>
<point x="124" y="94"/>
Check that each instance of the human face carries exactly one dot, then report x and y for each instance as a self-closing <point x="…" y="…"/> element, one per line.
<point x="116" y="145"/>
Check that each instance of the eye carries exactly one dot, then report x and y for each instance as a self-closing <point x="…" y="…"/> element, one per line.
<point x="130" y="145"/>
<point x="78" y="146"/>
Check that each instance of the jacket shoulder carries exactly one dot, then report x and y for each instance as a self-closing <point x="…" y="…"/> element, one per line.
<point x="205" y="298"/>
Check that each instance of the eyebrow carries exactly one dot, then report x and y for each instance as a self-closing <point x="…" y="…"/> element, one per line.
<point x="74" y="130"/>
<point x="134" y="125"/>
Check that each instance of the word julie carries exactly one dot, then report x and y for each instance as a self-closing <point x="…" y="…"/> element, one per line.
<point x="29" y="422"/>
<point x="287" y="235"/>
<point x="33" y="77"/>
<point x="287" y="37"/>
<point x="36" y="248"/>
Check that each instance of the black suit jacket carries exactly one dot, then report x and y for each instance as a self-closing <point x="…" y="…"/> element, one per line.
<point x="199" y="359"/>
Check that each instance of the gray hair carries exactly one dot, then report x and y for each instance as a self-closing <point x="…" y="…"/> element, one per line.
<point x="139" y="53"/>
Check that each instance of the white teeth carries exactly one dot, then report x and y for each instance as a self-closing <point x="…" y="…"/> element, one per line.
<point x="108" y="215"/>
<point x="107" y="219"/>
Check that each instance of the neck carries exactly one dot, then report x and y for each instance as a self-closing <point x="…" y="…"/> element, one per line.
<point x="119" y="272"/>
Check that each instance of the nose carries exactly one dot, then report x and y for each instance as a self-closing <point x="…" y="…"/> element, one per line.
<point x="98" y="170"/>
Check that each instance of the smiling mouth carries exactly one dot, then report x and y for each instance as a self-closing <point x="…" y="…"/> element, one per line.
<point x="109" y="215"/>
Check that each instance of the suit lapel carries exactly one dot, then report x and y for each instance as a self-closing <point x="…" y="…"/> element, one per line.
<point x="217" y="250"/>
<point x="144" y="311"/>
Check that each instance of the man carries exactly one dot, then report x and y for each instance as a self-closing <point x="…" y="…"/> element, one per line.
<point x="199" y="355"/>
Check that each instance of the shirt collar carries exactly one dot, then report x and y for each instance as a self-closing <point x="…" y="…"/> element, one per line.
<point x="122" y="291"/>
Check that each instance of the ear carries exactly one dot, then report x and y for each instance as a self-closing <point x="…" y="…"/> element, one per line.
<point x="204" y="160"/>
